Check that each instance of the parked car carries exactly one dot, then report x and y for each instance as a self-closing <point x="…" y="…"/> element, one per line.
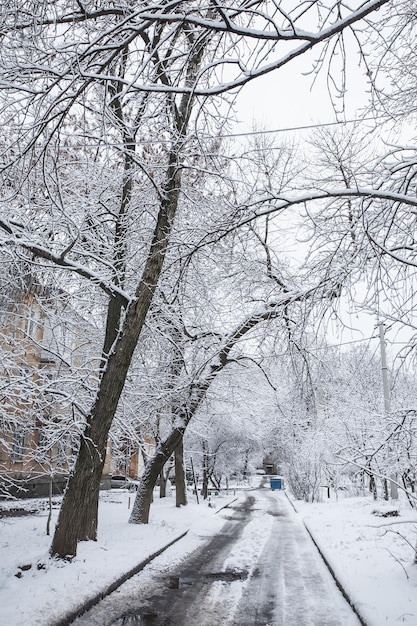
<point x="123" y="482"/>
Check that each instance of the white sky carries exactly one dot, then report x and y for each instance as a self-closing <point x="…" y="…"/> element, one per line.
<point x="288" y="98"/>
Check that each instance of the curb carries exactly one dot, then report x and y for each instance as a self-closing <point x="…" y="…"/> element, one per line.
<point x="331" y="570"/>
<point x="225" y="506"/>
<point x="88" y="604"/>
<point x="338" y="583"/>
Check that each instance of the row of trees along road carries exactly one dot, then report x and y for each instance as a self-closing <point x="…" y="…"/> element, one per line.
<point x="115" y="186"/>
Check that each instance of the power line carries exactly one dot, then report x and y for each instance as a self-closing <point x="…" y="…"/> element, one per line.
<point x="294" y="128"/>
<point x="345" y="343"/>
<point x="248" y="133"/>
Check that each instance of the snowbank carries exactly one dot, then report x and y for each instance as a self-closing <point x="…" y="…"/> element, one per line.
<point x="371" y="555"/>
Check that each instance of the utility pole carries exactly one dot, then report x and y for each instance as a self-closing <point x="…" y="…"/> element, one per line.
<point x="387" y="396"/>
<point x="384" y="368"/>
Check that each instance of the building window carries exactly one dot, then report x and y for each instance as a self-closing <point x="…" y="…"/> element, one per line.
<point x="18" y="446"/>
<point x="63" y="453"/>
<point x="44" y="451"/>
<point x="31" y="322"/>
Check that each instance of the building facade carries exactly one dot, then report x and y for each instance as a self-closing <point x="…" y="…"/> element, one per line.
<point x="46" y="350"/>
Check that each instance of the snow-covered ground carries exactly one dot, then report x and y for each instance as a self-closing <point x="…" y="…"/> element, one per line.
<point x="370" y="554"/>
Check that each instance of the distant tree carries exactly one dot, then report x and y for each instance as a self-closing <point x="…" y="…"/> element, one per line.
<point x="229" y="434"/>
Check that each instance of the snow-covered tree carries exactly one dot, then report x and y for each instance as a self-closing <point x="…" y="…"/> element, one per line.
<point x="104" y="78"/>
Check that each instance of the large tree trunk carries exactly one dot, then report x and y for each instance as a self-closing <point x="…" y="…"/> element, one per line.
<point x="82" y="490"/>
<point x="143" y="500"/>
<point x="180" y="478"/>
<point x="78" y="521"/>
<point x="82" y="525"/>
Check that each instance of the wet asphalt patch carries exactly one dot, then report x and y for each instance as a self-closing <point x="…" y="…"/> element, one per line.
<point x="178" y="582"/>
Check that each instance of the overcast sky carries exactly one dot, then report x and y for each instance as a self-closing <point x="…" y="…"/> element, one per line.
<point x="287" y="97"/>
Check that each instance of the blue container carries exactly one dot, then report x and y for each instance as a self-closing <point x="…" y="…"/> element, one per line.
<point x="276" y="483"/>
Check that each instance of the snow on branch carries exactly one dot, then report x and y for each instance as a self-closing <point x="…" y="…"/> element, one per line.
<point x="18" y="237"/>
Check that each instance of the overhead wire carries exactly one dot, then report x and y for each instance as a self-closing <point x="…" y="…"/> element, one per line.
<point x="296" y="128"/>
<point x="249" y="133"/>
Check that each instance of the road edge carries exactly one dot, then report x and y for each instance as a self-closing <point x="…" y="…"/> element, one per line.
<point x="88" y="604"/>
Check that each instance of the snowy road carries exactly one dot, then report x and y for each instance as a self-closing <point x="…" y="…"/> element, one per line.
<point x="262" y="569"/>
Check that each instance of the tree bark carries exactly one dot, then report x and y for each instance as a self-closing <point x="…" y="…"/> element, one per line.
<point x="246" y="465"/>
<point x="143" y="500"/>
<point x="204" y="490"/>
<point x="372" y="487"/>
<point x="162" y="484"/>
<point x="180" y="478"/>
<point x="78" y="521"/>
<point x="386" y="490"/>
